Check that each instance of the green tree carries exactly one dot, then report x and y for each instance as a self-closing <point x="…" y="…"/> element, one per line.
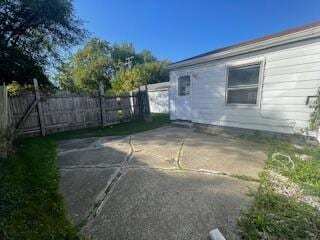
<point x="121" y="52"/>
<point x="98" y="61"/>
<point x="157" y="71"/>
<point x="20" y="67"/>
<point x="32" y="34"/>
<point x="146" y="56"/>
<point x="128" y="79"/>
<point x="64" y="76"/>
<point x="88" y="67"/>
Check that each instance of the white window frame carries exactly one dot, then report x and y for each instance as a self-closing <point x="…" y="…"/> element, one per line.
<point x="178" y="85"/>
<point x="240" y="64"/>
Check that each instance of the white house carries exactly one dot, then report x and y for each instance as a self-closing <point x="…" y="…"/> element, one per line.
<point x="263" y="84"/>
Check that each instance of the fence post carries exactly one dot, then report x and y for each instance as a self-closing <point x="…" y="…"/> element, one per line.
<point x="143" y="105"/>
<point x="102" y="104"/>
<point x="3" y="107"/>
<point x="39" y="107"/>
<point x="140" y="103"/>
<point x="147" y="106"/>
<point x="6" y="131"/>
<point x="3" y="122"/>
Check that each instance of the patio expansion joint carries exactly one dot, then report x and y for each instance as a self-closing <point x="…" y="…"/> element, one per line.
<point x="61" y="153"/>
<point x="175" y="169"/>
<point x="103" y="196"/>
<point x="75" y="167"/>
<point x="188" y="170"/>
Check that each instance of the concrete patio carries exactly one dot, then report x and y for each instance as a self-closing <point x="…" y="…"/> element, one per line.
<point x="168" y="183"/>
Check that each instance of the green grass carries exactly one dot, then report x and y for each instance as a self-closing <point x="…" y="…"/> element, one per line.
<point x="31" y="206"/>
<point x="305" y="172"/>
<point x="158" y="120"/>
<point x="245" y="178"/>
<point x="273" y="216"/>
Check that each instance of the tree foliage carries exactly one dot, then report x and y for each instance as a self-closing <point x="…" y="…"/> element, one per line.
<point x="32" y="33"/>
<point x="157" y="70"/>
<point x="87" y="67"/>
<point x="118" y="66"/>
<point x="315" y="115"/>
<point x="129" y="79"/>
<point x="121" y="52"/>
<point x="146" y="56"/>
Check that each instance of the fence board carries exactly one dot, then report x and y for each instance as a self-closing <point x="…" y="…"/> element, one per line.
<point x="111" y="108"/>
<point x="63" y="110"/>
<point x="125" y="106"/>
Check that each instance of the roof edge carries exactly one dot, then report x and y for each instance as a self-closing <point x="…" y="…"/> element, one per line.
<point x="304" y="32"/>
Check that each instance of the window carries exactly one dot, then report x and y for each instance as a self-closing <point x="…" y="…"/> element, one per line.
<point x="184" y="86"/>
<point x="243" y="84"/>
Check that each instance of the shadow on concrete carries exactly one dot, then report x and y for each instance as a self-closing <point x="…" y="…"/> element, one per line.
<point x="151" y="198"/>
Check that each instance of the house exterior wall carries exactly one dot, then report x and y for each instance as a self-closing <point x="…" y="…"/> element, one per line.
<point x="290" y="74"/>
<point x="159" y="101"/>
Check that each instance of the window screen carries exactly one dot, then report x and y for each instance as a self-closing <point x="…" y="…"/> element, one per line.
<point x="184" y="86"/>
<point x="243" y="85"/>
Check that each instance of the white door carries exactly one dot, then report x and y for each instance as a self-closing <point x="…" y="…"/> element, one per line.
<point x="183" y="98"/>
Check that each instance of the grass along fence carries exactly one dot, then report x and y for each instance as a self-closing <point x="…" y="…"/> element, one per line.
<point x="36" y="112"/>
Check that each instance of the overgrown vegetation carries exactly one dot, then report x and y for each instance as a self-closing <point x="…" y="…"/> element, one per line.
<point x="273" y="216"/>
<point x="315" y="115"/>
<point x="30" y="205"/>
<point x="277" y="216"/>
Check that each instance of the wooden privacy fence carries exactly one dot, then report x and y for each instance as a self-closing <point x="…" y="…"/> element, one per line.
<point x="36" y="112"/>
<point x="6" y="130"/>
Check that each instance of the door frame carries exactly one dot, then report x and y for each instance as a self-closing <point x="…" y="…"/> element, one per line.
<point x="189" y="118"/>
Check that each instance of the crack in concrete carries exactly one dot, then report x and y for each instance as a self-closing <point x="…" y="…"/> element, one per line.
<point x="179" y="155"/>
<point x="122" y="169"/>
<point x="96" y="208"/>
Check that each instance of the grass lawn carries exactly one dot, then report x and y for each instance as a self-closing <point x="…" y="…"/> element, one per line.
<point x="158" y="120"/>
<point x="30" y="205"/>
<point x="274" y="215"/>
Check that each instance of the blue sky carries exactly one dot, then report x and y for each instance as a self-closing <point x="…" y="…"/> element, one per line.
<point x="179" y="29"/>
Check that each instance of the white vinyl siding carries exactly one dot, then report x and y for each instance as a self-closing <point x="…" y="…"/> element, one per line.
<point x="291" y="73"/>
